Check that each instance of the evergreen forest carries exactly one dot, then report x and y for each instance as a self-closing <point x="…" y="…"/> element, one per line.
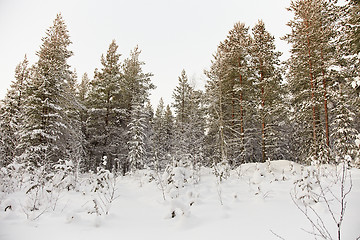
<point x="254" y="108"/>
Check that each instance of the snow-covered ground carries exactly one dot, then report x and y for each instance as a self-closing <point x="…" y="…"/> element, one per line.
<point x="254" y="202"/>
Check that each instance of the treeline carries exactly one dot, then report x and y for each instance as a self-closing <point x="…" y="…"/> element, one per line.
<point x="253" y="108"/>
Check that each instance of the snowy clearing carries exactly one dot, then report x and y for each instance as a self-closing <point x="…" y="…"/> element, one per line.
<point x="254" y="202"/>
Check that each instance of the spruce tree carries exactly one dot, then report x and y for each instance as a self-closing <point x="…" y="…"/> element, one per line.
<point x="195" y="132"/>
<point x="346" y="88"/>
<point x="11" y="114"/>
<point x="353" y="23"/>
<point x="82" y="92"/>
<point x="43" y="134"/>
<point x="149" y="135"/>
<point x="267" y="80"/>
<point x="83" y="89"/>
<point x="160" y="135"/>
<point x="169" y="132"/>
<point x="163" y="135"/>
<point x="135" y="90"/>
<point x="75" y="138"/>
<point x="189" y="126"/>
<point x="181" y="96"/>
<point x="182" y="106"/>
<point x="345" y="133"/>
<point x="349" y="48"/>
<point x="215" y="142"/>
<point x="136" y="133"/>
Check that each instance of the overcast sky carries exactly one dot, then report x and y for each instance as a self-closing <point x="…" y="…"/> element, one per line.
<point x="172" y="34"/>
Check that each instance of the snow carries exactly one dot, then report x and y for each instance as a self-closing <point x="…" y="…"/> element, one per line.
<point x="356" y="82"/>
<point x="251" y="203"/>
<point x="357" y="141"/>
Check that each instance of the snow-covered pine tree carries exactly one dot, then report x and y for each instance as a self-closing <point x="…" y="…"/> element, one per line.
<point x="267" y="80"/>
<point x="106" y="114"/>
<point x="240" y="127"/>
<point x="313" y="56"/>
<point x="136" y="83"/>
<point x="42" y="136"/>
<point x="11" y="114"/>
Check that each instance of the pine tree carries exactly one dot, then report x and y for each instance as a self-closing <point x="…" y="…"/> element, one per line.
<point x="232" y="78"/>
<point x="268" y="83"/>
<point x="313" y="56"/>
<point x="106" y="122"/>
<point x="11" y="114"/>
<point x="136" y="84"/>
<point x="45" y="125"/>
<point x="240" y="129"/>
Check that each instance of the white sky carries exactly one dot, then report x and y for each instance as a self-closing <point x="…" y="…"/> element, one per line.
<point x="172" y="34"/>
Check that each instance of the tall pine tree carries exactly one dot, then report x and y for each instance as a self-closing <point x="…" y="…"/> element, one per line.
<point x="106" y="124"/>
<point x="313" y="57"/>
<point x="267" y="80"/>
